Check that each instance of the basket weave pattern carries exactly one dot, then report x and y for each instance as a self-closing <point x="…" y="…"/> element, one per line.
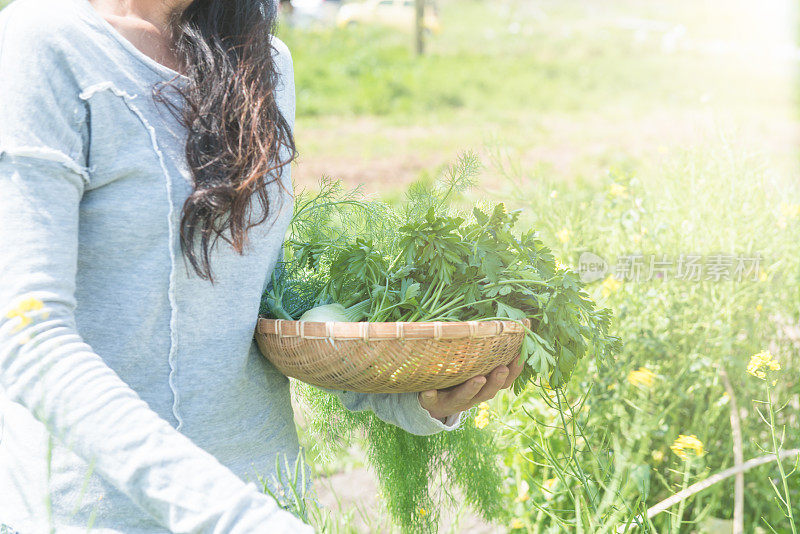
<point x="388" y="357"/>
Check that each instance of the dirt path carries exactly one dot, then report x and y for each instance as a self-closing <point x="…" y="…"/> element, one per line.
<point x="386" y="156"/>
<point x="356" y="489"/>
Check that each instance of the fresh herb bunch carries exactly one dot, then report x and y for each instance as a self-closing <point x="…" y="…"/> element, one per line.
<point x="361" y="259"/>
<point x="425" y="261"/>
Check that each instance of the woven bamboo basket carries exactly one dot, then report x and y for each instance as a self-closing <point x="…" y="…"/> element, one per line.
<point x="388" y="357"/>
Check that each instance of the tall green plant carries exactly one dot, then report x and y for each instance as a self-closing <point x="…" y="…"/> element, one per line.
<point x="716" y="203"/>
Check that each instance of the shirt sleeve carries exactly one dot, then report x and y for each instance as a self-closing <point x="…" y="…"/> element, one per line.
<point x="400" y="409"/>
<point x="45" y="365"/>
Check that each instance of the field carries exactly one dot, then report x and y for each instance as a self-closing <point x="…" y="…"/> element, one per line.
<point x="653" y="135"/>
<point x="654" y="148"/>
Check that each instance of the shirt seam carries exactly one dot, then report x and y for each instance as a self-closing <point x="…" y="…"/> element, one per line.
<point x="172" y="357"/>
<point x="45" y="153"/>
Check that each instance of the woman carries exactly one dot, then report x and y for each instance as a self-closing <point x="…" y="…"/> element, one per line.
<point x="135" y="134"/>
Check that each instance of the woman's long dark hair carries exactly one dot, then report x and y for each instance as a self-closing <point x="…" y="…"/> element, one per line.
<point x="235" y="129"/>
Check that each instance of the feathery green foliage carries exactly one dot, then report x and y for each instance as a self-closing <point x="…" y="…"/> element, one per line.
<point x="409" y="468"/>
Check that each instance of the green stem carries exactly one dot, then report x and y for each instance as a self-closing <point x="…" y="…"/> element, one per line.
<point x="356" y="312"/>
<point x="328" y="244"/>
<point x="414" y="317"/>
<point x="443" y="307"/>
<point x="394" y="261"/>
<point x="457" y="300"/>
<point x="427" y="294"/>
<point x="776" y="450"/>
<point x="506" y="282"/>
<point x="574" y="465"/>
<point x="426" y="299"/>
<point x="676" y="528"/>
<point x="436" y="296"/>
<point x="383" y="299"/>
<point x="433" y="318"/>
<point x="378" y="317"/>
<point x="280" y="313"/>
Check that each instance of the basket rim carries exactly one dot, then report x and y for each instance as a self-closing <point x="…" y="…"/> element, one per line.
<point x="338" y="330"/>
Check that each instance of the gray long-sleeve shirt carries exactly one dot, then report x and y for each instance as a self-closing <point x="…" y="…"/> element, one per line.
<point x="135" y="398"/>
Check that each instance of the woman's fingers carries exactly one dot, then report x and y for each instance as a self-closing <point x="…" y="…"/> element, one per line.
<point x="494" y="384"/>
<point x="428" y="398"/>
<point x="473" y="391"/>
<point x="464" y="394"/>
<point x="444" y="403"/>
<point x="514" y="370"/>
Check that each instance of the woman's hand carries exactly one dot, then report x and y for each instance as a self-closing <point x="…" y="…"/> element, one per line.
<point x="443" y="403"/>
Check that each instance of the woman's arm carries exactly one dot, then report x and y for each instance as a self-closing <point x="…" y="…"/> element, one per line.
<point x="400" y="409"/>
<point x="432" y="411"/>
<point x="46" y="367"/>
<point x="44" y="363"/>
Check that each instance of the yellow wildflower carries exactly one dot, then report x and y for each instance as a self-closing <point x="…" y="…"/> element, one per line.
<point x="762" y="276"/>
<point x="517" y="524"/>
<point x="422" y="512"/>
<point x="523" y="492"/>
<point x="610" y="285"/>
<point x="617" y="190"/>
<point x="687" y="443"/>
<point x="759" y="307"/>
<point x="563" y="235"/>
<point x="553" y="194"/>
<point x="26" y="305"/>
<point x="762" y="361"/>
<point x="482" y="419"/>
<point x="642" y="377"/>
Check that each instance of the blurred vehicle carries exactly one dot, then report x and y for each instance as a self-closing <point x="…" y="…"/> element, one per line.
<point x="311" y="12"/>
<point x="396" y="13"/>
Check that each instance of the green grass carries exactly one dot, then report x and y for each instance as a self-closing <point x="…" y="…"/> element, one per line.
<point x="489" y="64"/>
